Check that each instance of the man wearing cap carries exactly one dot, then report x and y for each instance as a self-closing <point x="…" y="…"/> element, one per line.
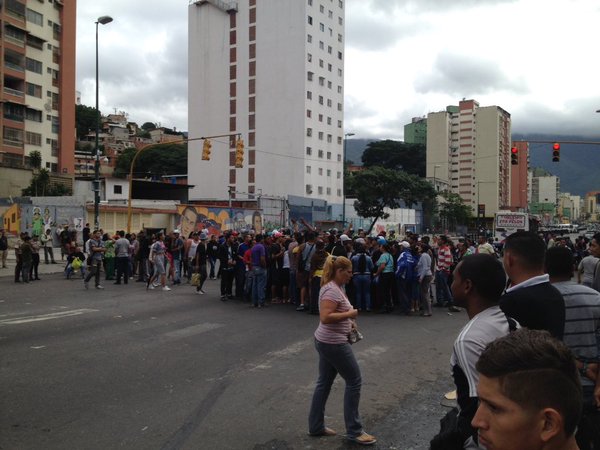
<point x="227" y="259"/>
<point x="339" y="249"/>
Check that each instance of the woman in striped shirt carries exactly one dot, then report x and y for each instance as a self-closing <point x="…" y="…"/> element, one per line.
<point x="335" y="353"/>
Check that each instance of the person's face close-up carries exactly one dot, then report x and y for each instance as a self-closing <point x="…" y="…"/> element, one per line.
<point x="345" y="275"/>
<point x="503" y="424"/>
<point x="458" y="288"/>
<point x="595" y="248"/>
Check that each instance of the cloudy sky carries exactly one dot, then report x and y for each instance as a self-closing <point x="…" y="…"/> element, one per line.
<point x="404" y="58"/>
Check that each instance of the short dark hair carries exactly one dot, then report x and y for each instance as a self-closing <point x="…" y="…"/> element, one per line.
<point x="529" y="248"/>
<point x="597" y="238"/>
<point x="258" y="237"/>
<point x="121" y="233"/>
<point x="559" y="262"/>
<point x="486" y="273"/>
<point x="535" y="371"/>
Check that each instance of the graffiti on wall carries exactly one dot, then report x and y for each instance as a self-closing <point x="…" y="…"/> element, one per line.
<point x="217" y="220"/>
<point x="37" y="219"/>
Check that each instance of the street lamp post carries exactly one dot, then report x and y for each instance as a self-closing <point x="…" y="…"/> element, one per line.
<point x="101" y="20"/>
<point x="346" y="136"/>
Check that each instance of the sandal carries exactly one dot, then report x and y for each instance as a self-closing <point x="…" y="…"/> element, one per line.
<point x="363" y="439"/>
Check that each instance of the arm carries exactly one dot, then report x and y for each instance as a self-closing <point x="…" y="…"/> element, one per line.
<point x="307" y="225"/>
<point x="327" y="313"/>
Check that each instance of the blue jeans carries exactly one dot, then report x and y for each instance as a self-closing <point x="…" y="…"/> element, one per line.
<point x="177" y="266"/>
<point x="442" y="290"/>
<point x="259" y="282"/>
<point x="362" y="285"/>
<point x="334" y="359"/>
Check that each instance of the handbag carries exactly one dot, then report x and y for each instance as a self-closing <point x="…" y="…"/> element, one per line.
<point x="195" y="279"/>
<point x="354" y="336"/>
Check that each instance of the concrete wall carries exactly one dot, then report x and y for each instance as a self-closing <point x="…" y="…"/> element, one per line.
<point x="12" y="181"/>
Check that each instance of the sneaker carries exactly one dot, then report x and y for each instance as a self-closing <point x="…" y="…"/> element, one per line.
<point x="166" y="288"/>
<point x="453" y="309"/>
<point x="301" y="308"/>
<point x="99" y="287"/>
<point x="151" y="286"/>
<point x="86" y="284"/>
<point x="200" y="292"/>
<point x="223" y="298"/>
<point x="363" y="439"/>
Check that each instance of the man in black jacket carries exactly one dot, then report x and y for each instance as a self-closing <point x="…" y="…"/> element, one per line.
<point x="227" y="257"/>
<point x="531" y="299"/>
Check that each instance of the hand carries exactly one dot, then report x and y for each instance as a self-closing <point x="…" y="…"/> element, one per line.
<point x="353" y="313"/>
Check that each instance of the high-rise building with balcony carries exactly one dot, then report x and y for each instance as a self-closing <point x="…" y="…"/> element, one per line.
<point x="468" y="153"/>
<point x="38" y="82"/>
<point x="273" y="71"/>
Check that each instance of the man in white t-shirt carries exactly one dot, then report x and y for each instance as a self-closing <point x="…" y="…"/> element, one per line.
<point x="485" y="247"/>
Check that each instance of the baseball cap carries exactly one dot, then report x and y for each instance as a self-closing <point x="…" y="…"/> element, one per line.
<point x="176" y="231"/>
<point x="381" y="241"/>
<point x="404" y="244"/>
<point x="360" y="241"/>
<point x="344" y="238"/>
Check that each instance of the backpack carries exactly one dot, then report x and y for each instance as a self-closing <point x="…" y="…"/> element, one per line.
<point x="76" y="264"/>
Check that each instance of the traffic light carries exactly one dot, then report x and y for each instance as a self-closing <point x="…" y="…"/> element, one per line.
<point x="206" y="150"/>
<point x="556" y="152"/>
<point x="239" y="153"/>
<point x="514" y="156"/>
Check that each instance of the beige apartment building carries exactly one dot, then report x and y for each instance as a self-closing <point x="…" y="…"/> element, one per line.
<point x="468" y="153"/>
<point x="38" y="82"/>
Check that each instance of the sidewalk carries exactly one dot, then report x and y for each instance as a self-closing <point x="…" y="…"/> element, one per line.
<point x="44" y="269"/>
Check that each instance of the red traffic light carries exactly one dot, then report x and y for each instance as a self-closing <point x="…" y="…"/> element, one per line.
<point x="556" y="152"/>
<point x="514" y="156"/>
<point x="514" y="150"/>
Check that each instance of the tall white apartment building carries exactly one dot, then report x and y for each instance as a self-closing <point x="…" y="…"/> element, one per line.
<point x="468" y="153"/>
<point x="272" y="70"/>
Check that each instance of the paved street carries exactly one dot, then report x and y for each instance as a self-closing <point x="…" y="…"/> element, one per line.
<point x="136" y="369"/>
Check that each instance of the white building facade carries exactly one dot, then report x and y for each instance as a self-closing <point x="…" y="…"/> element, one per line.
<point x="272" y="71"/>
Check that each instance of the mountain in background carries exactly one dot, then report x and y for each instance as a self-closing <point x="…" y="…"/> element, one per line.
<point x="578" y="169"/>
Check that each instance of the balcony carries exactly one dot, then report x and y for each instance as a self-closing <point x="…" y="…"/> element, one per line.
<point x="14" y="66"/>
<point x="14" y="92"/>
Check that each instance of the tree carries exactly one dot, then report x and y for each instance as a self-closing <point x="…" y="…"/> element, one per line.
<point x="452" y="210"/>
<point x="147" y="126"/>
<point x="396" y="155"/>
<point x="85" y="120"/>
<point x="164" y="159"/>
<point x="377" y="188"/>
<point x="35" y="159"/>
<point x="40" y="186"/>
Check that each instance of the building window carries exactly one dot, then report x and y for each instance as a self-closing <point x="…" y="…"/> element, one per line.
<point x="309" y="76"/>
<point x="308" y="151"/>
<point x="339" y="106"/>
<point x="320" y="154"/>
<point x="309" y="2"/>
<point x="328" y="155"/>
<point x="33" y="138"/>
<point x="33" y="65"/>
<point x="329" y="138"/>
<point x="321" y="9"/>
<point x="339" y="139"/>
<point x="308" y="113"/>
<point x="329" y="85"/>
<point x="320" y="190"/>
<point x="328" y="172"/>
<point x="33" y="89"/>
<point x="309" y="20"/>
<point x="340" y="21"/>
<point x="309" y="95"/>
<point x="55" y="125"/>
<point x="339" y="55"/>
<point x="328" y="191"/>
<point x="320" y="99"/>
<point x="341" y="3"/>
<point x="340" y="72"/>
<point x="339" y="126"/>
<point x="329" y="49"/>
<point x="339" y="38"/>
<point x="320" y="171"/>
<point x="329" y="67"/>
<point x="35" y="17"/>
<point x="308" y="169"/>
<point x="33" y="115"/>
<point x="321" y="81"/>
<point x="117" y="189"/>
<point x="339" y="158"/>
<point x="308" y="38"/>
<point x="320" y="135"/>
<point x="12" y="136"/>
<point x="339" y="175"/>
<point x="321" y="45"/>
<point x="329" y="121"/>
<point x="321" y="63"/>
<point x="321" y="27"/>
<point x="339" y="192"/>
<point x="309" y="132"/>
<point x="309" y="57"/>
<point x="320" y="117"/>
<point x="330" y="14"/>
<point x="329" y="103"/>
<point x="309" y="189"/>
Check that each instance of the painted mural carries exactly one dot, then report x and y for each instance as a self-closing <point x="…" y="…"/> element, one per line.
<point x="217" y="220"/>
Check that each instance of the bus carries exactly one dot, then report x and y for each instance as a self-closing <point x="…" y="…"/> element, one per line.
<point x="507" y="223"/>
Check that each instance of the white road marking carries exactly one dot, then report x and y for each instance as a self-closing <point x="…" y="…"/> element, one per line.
<point x="284" y="353"/>
<point x="38" y="347"/>
<point x="41" y="317"/>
